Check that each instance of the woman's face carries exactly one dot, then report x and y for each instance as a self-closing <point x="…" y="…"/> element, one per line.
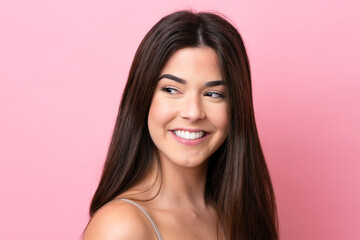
<point x="188" y="114"/>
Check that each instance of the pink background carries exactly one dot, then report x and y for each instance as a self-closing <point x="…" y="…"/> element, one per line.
<point x="63" y="65"/>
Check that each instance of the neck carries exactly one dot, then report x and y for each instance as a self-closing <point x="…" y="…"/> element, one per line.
<point x="173" y="186"/>
<point x="182" y="186"/>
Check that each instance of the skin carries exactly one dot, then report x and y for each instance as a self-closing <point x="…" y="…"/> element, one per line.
<point x="197" y="103"/>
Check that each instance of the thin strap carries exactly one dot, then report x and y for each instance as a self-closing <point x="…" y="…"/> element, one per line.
<point x="146" y="214"/>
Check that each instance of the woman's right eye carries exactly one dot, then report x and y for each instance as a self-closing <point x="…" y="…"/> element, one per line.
<point x="170" y="90"/>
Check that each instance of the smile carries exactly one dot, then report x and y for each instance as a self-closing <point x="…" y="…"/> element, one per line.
<point x="189" y="135"/>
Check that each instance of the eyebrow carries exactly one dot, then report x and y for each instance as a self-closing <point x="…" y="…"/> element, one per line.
<point x="182" y="81"/>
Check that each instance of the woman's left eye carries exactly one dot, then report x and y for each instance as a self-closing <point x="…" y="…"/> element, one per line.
<point x="214" y="94"/>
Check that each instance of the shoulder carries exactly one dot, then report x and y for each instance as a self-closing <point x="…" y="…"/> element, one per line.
<point x="119" y="220"/>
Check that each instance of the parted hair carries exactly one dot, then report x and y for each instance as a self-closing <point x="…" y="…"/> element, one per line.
<point x="238" y="181"/>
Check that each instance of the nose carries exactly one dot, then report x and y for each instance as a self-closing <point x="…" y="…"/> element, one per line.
<point x="192" y="109"/>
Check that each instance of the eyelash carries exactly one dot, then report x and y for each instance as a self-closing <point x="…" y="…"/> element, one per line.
<point x="172" y="91"/>
<point x="220" y="95"/>
<point x="169" y="90"/>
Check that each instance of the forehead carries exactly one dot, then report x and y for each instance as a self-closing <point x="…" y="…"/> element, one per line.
<point x="194" y="62"/>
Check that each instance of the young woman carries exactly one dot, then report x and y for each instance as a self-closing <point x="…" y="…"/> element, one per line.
<point x="185" y="160"/>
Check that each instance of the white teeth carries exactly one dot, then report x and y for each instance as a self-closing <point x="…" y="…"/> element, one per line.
<point x="197" y="135"/>
<point x="189" y="135"/>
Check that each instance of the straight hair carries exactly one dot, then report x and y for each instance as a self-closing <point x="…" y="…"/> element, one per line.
<point x="238" y="181"/>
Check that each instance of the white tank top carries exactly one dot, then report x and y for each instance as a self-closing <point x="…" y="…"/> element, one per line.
<point x="145" y="213"/>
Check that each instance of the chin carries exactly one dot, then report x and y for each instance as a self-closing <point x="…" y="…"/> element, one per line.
<point x="186" y="161"/>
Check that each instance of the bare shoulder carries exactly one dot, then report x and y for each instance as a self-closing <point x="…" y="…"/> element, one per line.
<point x="119" y="220"/>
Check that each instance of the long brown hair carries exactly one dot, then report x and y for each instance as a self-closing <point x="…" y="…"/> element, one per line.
<point x="238" y="181"/>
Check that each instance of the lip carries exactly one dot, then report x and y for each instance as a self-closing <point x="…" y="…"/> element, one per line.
<point x="190" y="142"/>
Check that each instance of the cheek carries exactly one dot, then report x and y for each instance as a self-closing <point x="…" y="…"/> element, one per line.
<point x="219" y="118"/>
<point x="160" y="112"/>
